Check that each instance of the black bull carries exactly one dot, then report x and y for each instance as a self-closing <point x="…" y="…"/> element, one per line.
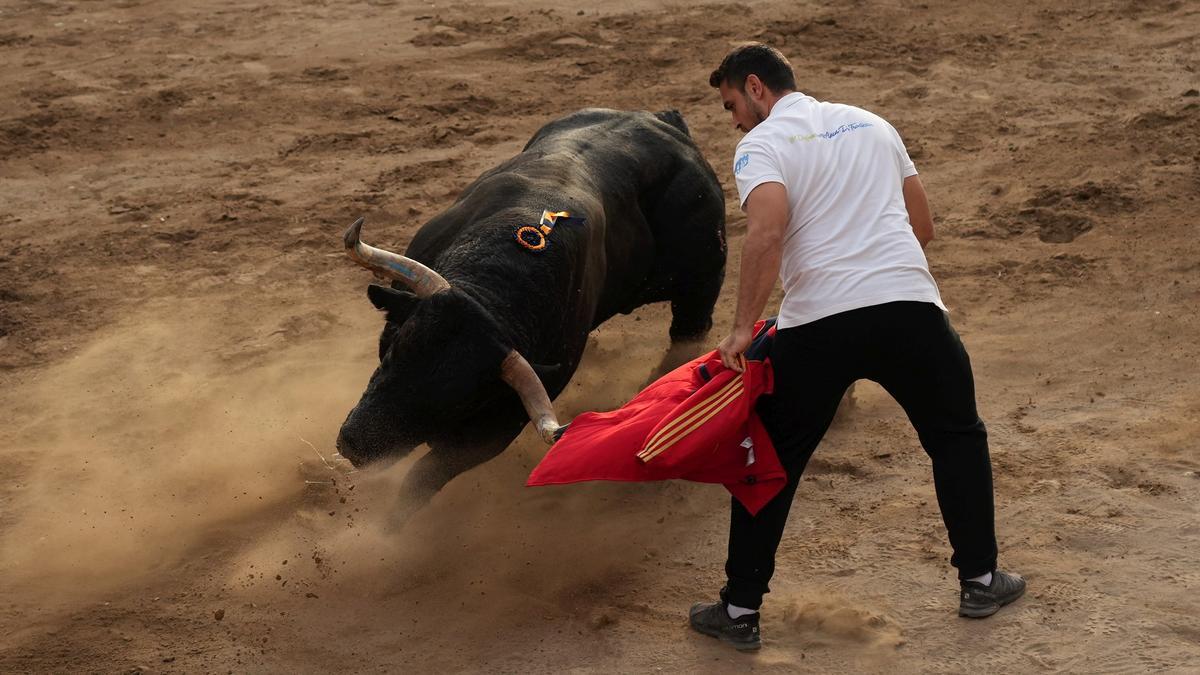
<point x="467" y="301"/>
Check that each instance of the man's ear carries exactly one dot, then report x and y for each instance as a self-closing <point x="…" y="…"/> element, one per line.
<point x="753" y="86"/>
<point x="397" y="304"/>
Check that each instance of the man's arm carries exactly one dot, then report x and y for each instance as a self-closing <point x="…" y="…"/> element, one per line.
<point x="762" y="252"/>
<point x="917" y="205"/>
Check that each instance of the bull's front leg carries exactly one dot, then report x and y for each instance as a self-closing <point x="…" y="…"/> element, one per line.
<point x="447" y="459"/>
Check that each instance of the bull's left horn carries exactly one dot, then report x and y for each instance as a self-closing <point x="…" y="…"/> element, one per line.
<point x="519" y="375"/>
<point x="422" y="280"/>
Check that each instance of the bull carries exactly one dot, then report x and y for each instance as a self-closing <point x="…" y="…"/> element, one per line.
<point x="489" y="309"/>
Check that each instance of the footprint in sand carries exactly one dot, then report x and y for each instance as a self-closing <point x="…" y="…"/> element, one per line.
<point x="1056" y="227"/>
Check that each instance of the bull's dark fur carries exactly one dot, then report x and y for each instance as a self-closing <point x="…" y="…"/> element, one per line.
<point x="654" y="231"/>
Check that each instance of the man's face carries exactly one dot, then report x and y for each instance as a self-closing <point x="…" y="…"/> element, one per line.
<point x="746" y="112"/>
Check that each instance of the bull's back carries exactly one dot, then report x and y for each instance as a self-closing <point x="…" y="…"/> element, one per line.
<point x="602" y="165"/>
<point x="599" y="164"/>
<point x="634" y="161"/>
<point x="616" y="144"/>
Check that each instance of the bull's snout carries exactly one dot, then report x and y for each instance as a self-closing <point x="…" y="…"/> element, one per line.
<point x="365" y="443"/>
<point x="348" y="448"/>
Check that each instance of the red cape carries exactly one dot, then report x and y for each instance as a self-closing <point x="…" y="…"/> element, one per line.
<point x="696" y="423"/>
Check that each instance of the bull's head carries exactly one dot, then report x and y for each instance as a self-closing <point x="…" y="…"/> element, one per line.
<point x="441" y="359"/>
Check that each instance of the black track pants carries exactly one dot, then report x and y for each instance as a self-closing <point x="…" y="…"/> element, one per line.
<point x="911" y="350"/>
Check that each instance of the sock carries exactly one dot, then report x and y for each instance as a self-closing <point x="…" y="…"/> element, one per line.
<point x="986" y="579"/>
<point x="736" y="612"/>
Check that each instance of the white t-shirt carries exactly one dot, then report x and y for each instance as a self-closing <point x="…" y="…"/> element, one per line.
<point x="848" y="243"/>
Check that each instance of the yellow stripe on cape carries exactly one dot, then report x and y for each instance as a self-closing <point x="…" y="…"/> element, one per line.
<point x="693" y="419"/>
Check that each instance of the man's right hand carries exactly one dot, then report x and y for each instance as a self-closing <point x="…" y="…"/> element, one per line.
<point x="733" y="349"/>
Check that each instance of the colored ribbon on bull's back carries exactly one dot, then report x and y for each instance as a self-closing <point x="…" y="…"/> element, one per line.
<point x="537" y="238"/>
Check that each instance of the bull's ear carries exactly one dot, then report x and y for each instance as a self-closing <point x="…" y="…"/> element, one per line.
<point x="397" y="304"/>
<point x="546" y="372"/>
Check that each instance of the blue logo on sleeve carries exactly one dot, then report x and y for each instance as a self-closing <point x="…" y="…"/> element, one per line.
<point x="741" y="163"/>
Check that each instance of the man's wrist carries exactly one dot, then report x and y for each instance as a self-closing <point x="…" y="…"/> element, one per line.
<point x="743" y="328"/>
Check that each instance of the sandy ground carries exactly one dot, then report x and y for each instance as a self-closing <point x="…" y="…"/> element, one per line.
<point x="180" y="337"/>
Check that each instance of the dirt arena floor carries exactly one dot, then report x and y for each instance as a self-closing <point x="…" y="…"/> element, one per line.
<point x="181" y="335"/>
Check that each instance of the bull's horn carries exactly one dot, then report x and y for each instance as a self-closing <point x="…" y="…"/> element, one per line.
<point x="422" y="280"/>
<point x="519" y="375"/>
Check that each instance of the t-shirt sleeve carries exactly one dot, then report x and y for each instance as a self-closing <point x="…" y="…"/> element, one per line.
<point x="753" y="165"/>
<point x="903" y="161"/>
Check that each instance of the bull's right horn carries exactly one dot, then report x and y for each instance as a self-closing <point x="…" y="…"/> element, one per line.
<point x="519" y="375"/>
<point x="423" y="281"/>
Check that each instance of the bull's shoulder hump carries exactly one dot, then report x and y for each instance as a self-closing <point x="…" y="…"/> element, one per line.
<point x="599" y="122"/>
<point x="581" y="119"/>
<point x="674" y="119"/>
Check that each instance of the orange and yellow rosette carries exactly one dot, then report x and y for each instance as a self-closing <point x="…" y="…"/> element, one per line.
<point x="536" y="238"/>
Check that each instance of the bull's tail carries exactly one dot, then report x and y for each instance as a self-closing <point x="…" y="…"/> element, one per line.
<point x="675" y="119"/>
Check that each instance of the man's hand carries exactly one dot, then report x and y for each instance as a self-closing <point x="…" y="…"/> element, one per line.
<point x="733" y="347"/>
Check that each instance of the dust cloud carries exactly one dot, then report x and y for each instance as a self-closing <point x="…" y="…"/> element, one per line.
<point x="154" y="440"/>
<point x="169" y="440"/>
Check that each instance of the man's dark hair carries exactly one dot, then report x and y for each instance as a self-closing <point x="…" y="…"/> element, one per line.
<point x="766" y="62"/>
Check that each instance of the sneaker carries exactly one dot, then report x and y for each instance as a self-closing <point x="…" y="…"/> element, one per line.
<point x="712" y="619"/>
<point x="978" y="601"/>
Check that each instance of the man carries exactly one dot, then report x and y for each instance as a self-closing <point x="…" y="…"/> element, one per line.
<point x="832" y="205"/>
